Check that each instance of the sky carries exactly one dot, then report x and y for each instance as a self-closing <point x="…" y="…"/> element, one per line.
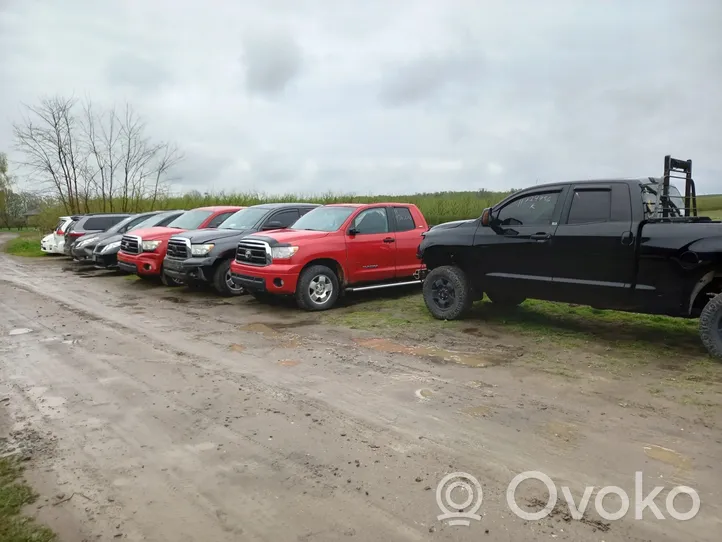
<point x="386" y="97"/>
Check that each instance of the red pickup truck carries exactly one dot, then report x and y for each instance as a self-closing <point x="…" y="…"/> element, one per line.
<point x="333" y="248"/>
<point x="142" y="253"/>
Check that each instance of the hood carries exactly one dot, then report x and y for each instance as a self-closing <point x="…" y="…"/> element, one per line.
<point x="156" y="233"/>
<point x="289" y="236"/>
<point x="199" y="237"/>
<point x="453" y="224"/>
<point x="96" y="237"/>
<point x="110" y="239"/>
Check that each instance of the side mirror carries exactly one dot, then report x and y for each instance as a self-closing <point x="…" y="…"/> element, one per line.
<point x="353" y="231"/>
<point x="273" y="225"/>
<point x="486" y="217"/>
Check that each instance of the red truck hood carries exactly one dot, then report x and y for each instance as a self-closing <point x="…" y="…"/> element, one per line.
<point x="156" y="233"/>
<point x="293" y="236"/>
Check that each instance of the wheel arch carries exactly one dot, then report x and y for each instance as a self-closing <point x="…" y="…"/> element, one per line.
<point x="330" y="263"/>
<point x="709" y="282"/>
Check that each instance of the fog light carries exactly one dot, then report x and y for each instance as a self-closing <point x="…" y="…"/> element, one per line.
<point x="277" y="282"/>
<point x="146" y="267"/>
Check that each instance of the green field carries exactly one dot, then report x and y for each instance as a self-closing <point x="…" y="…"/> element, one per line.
<point x="14" y="494"/>
<point x="27" y="244"/>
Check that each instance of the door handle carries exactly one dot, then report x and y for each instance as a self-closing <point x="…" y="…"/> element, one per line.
<point x="540" y="236"/>
<point x="389" y="240"/>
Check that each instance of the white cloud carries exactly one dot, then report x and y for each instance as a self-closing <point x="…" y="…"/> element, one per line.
<point x="386" y="97"/>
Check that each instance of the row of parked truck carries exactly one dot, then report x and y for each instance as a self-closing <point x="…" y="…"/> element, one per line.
<point x="635" y="245"/>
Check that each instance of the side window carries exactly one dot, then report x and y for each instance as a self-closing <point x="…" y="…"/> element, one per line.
<point x="404" y="220"/>
<point x="532" y="210"/>
<point x="216" y="221"/>
<point x="590" y="206"/>
<point x="372" y="221"/>
<point x="286" y="218"/>
<point x="102" y="222"/>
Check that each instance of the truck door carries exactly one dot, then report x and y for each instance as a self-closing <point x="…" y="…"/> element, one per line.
<point x="371" y="247"/>
<point x="593" y="249"/>
<point x="408" y="237"/>
<point x="515" y="251"/>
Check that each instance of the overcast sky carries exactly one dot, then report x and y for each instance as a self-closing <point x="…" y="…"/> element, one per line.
<point x="393" y="96"/>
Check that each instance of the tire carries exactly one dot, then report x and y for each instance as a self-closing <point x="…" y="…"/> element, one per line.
<point x="710" y="326"/>
<point x="169" y="281"/>
<point x="505" y="299"/>
<point x="317" y="289"/>
<point x="222" y="280"/>
<point x="447" y="293"/>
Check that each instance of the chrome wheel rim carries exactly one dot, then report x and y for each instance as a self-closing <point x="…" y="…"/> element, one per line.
<point x="231" y="285"/>
<point x="320" y="289"/>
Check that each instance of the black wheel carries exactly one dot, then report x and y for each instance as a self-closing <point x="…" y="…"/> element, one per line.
<point x="710" y="326"/>
<point x="447" y="293"/>
<point x="222" y="280"/>
<point x="317" y="289"/>
<point x="506" y="299"/>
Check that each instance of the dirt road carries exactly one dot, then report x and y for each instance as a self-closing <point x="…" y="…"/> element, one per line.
<point x="159" y="414"/>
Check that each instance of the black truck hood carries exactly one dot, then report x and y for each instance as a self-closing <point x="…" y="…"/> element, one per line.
<point x="208" y="235"/>
<point x="454" y="224"/>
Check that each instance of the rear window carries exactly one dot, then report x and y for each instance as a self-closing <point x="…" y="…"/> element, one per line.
<point x="404" y="220"/>
<point x="101" y="222"/>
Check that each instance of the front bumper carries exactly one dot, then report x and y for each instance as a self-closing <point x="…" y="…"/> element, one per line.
<point x="85" y="253"/>
<point x="146" y="263"/>
<point x="189" y="269"/>
<point x="109" y="259"/>
<point x="274" y="278"/>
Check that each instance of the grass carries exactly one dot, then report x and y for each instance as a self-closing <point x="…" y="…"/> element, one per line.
<point x="26" y="244"/>
<point x="14" y="494"/>
<point x="621" y="340"/>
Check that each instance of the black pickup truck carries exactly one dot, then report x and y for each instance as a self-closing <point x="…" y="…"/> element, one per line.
<point x="199" y="256"/>
<point x="631" y="245"/>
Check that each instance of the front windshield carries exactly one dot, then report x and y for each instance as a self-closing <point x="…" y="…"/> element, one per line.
<point x="324" y="219"/>
<point x="243" y="219"/>
<point x="149" y="222"/>
<point x="190" y="220"/>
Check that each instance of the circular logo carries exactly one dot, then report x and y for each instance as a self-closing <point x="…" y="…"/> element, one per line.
<point x="462" y="511"/>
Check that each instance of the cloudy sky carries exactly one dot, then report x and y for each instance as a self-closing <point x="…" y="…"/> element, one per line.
<point x="394" y="96"/>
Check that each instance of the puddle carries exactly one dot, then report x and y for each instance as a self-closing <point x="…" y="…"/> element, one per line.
<point x="478" y="384"/>
<point x="267" y="331"/>
<point x="293" y="325"/>
<point x="20" y="331"/>
<point x="437" y="355"/>
<point x="477" y="411"/>
<point x="263" y="329"/>
<point x="668" y="456"/>
<point x="288" y="362"/>
<point x="237" y="347"/>
<point x="423" y="393"/>
<point x="174" y="299"/>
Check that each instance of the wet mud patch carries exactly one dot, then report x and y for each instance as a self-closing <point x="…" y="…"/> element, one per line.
<point x="481" y="411"/>
<point x="561" y="433"/>
<point x="282" y="339"/>
<point x="434" y="354"/>
<point x="288" y="362"/>
<point x="235" y="347"/>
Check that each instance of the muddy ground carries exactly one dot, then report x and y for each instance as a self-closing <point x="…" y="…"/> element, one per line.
<point x="153" y="413"/>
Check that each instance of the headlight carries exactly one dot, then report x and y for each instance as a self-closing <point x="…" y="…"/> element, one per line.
<point x="85" y="241"/>
<point x="150" y="246"/>
<point x="111" y="246"/>
<point x="283" y="253"/>
<point x="201" y="250"/>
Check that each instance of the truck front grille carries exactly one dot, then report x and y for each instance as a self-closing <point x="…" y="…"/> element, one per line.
<point x="253" y="252"/>
<point x="177" y="248"/>
<point x="130" y="244"/>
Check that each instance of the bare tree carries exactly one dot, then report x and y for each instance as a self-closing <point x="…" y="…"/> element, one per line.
<point x="103" y="160"/>
<point x="50" y="148"/>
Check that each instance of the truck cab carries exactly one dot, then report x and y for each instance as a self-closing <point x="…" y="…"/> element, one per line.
<point x="332" y="249"/>
<point x="205" y="255"/>
<point x="634" y="245"/>
<point x="142" y="251"/>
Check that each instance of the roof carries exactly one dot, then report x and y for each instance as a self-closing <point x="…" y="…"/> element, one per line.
<point x="282" y="205"/>
<point x="635" y="180"/>
<point x="216" y="208"/>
